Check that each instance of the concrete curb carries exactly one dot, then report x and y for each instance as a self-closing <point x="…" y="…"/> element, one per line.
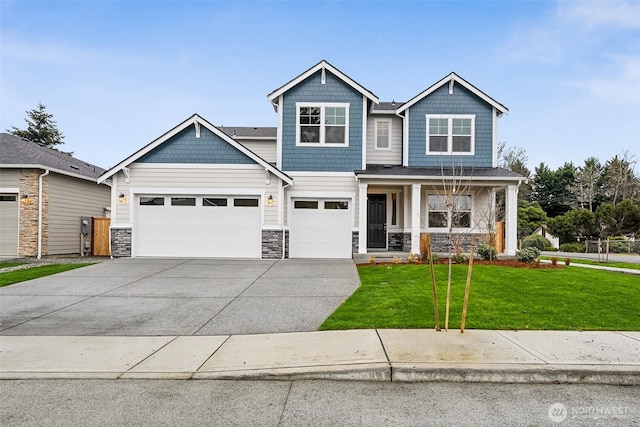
<point x="364" y="355"/>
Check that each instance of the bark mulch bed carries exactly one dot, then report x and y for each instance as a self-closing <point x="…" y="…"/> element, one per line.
<point x="501" y="263"/>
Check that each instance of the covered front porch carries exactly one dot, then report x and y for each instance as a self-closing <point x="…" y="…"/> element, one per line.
<point x="397" y="205"/>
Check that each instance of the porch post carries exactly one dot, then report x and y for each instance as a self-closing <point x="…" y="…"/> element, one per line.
<point x="415" y="218"/>
<point x="511" y="220"/>
<point x="362" y="218"/>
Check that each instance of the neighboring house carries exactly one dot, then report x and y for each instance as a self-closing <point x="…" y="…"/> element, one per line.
<point x="341" y="173"/>
<point x="43" y="195"/>
<point x="544" y="232"/>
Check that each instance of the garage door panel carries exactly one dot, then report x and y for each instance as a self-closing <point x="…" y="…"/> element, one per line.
<point x="8" y="224"/>
<point x="198" y="231"/>
<point x="320" y="232"/>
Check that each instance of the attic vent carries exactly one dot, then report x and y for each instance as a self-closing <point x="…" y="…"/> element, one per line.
<point x="74" y="167"/>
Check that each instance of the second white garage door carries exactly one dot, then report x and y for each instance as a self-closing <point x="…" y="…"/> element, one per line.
<point x="320" y="228"/>
<point x="198" y="226"/>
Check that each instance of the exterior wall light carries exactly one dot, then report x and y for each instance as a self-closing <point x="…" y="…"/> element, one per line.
<point x="270" y="200"/>
<point x="25" y="199"/>
<point x="122" y="199"/>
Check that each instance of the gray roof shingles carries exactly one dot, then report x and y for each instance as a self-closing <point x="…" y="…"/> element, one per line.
<point x="21" y="152"/>
<point x="249" y="132"/>
<point x="398" y="170"/>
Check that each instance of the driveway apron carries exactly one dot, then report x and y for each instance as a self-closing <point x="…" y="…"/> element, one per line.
<point x="150" y="296"/>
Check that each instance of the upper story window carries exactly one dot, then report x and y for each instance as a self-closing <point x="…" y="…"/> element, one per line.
<point x="450" y="134"/>
<point x="382" y="135"/>
<point x="322" y="124"/>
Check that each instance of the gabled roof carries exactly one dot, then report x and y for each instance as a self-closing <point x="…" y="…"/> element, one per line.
<point x="241" y="132"/>
<point x="322" y="66"/>
<point x="196" y="121"/>
<point x="19" y="153"/>
<point x="451" y="79"/>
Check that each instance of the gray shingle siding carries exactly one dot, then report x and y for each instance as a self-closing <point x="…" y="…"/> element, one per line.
<point x="186" y="148"/>
<point x="460" y="102"/>
<point x="321" y="158"/>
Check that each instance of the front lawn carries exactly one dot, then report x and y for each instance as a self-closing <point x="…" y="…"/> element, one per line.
<point x="35" y="272"/>
<point x="571" y="298"/>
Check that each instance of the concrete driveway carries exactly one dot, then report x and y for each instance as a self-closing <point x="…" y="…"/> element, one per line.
<point x="179" y="297"/>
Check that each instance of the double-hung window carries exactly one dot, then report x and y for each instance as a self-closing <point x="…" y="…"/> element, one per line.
<point x="382" y="134"/>
<point x="446" y="210"/>
<point x="450" y="134"/>
<point x="322" y="124"/>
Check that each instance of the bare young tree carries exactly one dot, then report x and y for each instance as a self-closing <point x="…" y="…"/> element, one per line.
<point x="620" y="179"/>
<point x="586" y="188"/>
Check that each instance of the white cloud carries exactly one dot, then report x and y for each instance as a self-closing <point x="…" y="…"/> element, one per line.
<point x="622" y="87"/>
<point x="615" y="14"/>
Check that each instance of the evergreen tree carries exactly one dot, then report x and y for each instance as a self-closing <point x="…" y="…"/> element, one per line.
<point x="41" y="128"/>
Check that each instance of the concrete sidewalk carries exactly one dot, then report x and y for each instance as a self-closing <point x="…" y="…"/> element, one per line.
<point x="374" y="355"/>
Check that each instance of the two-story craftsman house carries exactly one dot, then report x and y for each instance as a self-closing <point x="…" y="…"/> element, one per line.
<point x="342" y="173"/>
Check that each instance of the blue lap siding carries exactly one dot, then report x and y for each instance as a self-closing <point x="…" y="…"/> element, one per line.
<point x="186" y="148"/>
<point x="321" y="158"/>
<point x="460" y="102"/>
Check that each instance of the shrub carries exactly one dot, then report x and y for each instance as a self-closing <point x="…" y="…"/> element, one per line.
<point x="527" y="254"/>
<point x="372" y="259"/>
<point x="487" y="252"/>
<point x="554" y="260"/>
<point x="460" y="259"/>
<point x="536" y="241"/>
<point x="396" y="260"/>
<point x="551" y="249"/>
<point x="567" y="261"/>
<point x="619" y="245"/>
<point x="411" y="257"/>
<point x="572" y="247"/>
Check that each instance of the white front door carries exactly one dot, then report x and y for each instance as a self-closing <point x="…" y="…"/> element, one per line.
<point x="320" y="228"/>
<point x="198" y="226"/>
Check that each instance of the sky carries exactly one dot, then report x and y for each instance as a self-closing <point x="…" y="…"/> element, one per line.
<point x="118" y="74"/>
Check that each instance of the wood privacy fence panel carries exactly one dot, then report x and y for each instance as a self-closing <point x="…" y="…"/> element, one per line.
<point x="100" y="238"/>
<point x="500" y="237"/>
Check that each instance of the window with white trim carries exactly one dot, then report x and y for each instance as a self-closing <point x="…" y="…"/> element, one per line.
<point x="450" y="134"/>
<point x="382" y="134"/>
<point x="444" y="210"/>
<point x="322" y="124"/>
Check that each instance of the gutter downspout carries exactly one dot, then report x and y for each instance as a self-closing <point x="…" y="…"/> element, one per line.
<point x="40" y="212"/>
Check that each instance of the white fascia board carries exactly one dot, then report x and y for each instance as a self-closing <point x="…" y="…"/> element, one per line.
<point x="321" y="174"/>
<point x="43" y="167"/>
<point x="453" y="77"/>
<point x="363" y="148"/>
<point x="322" y="65"/>
<point x="279" y="135"/>
<point x="149" y="147"/>
<point x="494" y="137"/>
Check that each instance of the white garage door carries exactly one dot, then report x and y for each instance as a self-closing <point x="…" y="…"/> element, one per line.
<point x="198" y="226"/>
<point x="320" y="228"/>
<point x="8" y="224"/>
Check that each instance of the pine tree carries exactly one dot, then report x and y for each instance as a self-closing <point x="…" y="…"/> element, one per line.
<point x="41" y="128"/>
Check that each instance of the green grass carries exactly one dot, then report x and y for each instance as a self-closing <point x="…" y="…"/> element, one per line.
<point x="572" y="298"/>
<point x="7" y="264"/>
<point x="35" y="272"/>
<point x="630" y="265"/>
